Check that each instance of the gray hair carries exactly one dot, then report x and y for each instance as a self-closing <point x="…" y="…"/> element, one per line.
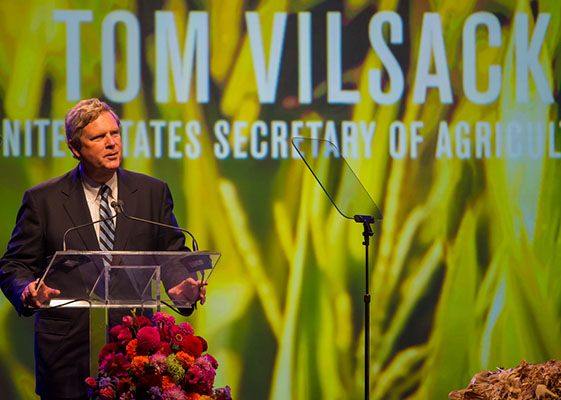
<point x="80" y="116"/>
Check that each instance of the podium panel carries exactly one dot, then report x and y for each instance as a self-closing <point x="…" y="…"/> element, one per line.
<point x="109" y="283"/>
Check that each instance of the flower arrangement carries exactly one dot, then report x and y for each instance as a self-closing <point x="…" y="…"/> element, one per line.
<point x="155" y="360"/>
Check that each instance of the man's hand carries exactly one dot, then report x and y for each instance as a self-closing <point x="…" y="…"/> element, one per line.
<point x="189" y="291"/>
<point x="31" y="297"/>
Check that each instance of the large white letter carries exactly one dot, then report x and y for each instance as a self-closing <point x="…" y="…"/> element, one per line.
<point x="167" y="46"/>
<point x="395" y="73"/>
<point x="432" y="41"/>
<point x="527" y="58"/>
<point x="304" y="57"/>
<point x="73" y="19"/>
<point x="267" y="78"/>
<point x="470" y="58"/>
<point x="108" y="70"/>
<point x="335" y="92"/>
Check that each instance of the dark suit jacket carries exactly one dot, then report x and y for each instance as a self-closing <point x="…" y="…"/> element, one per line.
<point x="47" y="211"/>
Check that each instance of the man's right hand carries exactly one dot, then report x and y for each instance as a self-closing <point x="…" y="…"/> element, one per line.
<point x="31" y="297"/>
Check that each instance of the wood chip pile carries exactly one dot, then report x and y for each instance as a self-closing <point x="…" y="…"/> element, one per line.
<point x="527" y="381"/>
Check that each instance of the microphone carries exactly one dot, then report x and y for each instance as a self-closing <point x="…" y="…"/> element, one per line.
<point x="74" y="228"/>
<point x="118" y="206"/>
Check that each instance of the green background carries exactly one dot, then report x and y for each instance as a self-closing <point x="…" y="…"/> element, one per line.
<point x="464" y="268"/>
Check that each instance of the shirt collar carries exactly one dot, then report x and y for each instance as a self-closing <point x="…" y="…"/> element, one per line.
<point x="91" y="187"/>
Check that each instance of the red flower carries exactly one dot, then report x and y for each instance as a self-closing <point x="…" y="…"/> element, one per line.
<point x="124" y="385"/>
<point x="164" y="348"/>
<point x="193" y="346"/>
<point x="148" y="338"/>
<point x="106" y="350"/>
<point x="91" y="382"/>
<point x="147" y="381"/>
<point x="204" y="343"/>
<point x="141" y="321"/>
<point x="114" y="365"/>
<point x="114" y="332"/>
<point x="124" y="335"/>
<point x="107" y="393"/>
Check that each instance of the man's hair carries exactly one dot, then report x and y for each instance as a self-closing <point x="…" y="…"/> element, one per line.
<point x="81" y="115"/>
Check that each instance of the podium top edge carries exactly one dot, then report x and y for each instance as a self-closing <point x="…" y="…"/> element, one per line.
<point x="117" y="252"/>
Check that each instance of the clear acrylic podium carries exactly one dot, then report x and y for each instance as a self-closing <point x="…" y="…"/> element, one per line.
<point x="101" y="281"/>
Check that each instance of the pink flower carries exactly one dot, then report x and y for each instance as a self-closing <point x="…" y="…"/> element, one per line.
<point x="163" y="318"/>
<point x="177" y="335"/>
<point x="207" y="362"/>
<point x="127" y="321"/>
<point x="128" y="396"/>
<point x="158" y="360"/>
<point x="194" y="375"/>
<point x="187" y="328"/>
<point x="148" y="338"/>
<point x="174" y="393"/>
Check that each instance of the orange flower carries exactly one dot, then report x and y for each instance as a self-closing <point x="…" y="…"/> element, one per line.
<point x="167" y="382"/>
<point x="131" y="349"/>
<point x="185" y="359"/>
<point x="137" y="364"/>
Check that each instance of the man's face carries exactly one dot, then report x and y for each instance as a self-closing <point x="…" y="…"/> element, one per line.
<point x="100" y="153"/>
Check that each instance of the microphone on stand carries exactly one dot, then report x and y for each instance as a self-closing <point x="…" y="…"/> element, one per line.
<point x="118" y="206"/>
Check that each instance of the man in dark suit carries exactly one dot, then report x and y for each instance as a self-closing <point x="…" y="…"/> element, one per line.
<point x="49" y="209"/>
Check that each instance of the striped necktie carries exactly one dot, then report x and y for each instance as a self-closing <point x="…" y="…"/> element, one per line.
<point x="107" y="227"/>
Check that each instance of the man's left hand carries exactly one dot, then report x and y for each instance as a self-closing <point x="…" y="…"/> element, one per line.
<point x="189" y="291"/>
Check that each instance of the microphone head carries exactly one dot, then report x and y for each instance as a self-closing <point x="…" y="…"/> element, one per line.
<point x="117" y="205"/>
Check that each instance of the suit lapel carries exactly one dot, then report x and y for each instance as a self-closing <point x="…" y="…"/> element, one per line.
<point x="77" y="209"/>
<point x="127" y="194"/>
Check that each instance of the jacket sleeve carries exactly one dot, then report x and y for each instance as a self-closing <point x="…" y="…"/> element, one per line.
<point x="23" y="261"/>
<point x="171" y="240"/>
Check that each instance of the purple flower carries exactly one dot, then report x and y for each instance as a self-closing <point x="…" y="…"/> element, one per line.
<point x="223" y="393"/>
<point x="155" y="393"/>
<point x="104" y="382"/>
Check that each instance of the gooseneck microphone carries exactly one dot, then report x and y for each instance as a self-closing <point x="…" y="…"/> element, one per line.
<point x="74" y="228"/>
<point x="118" y="206"/>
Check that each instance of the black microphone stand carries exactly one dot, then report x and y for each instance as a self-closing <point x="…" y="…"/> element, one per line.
<point x="118" y="206"/>
<point x="74" y="228"/>
<point x="366" y="220"/>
